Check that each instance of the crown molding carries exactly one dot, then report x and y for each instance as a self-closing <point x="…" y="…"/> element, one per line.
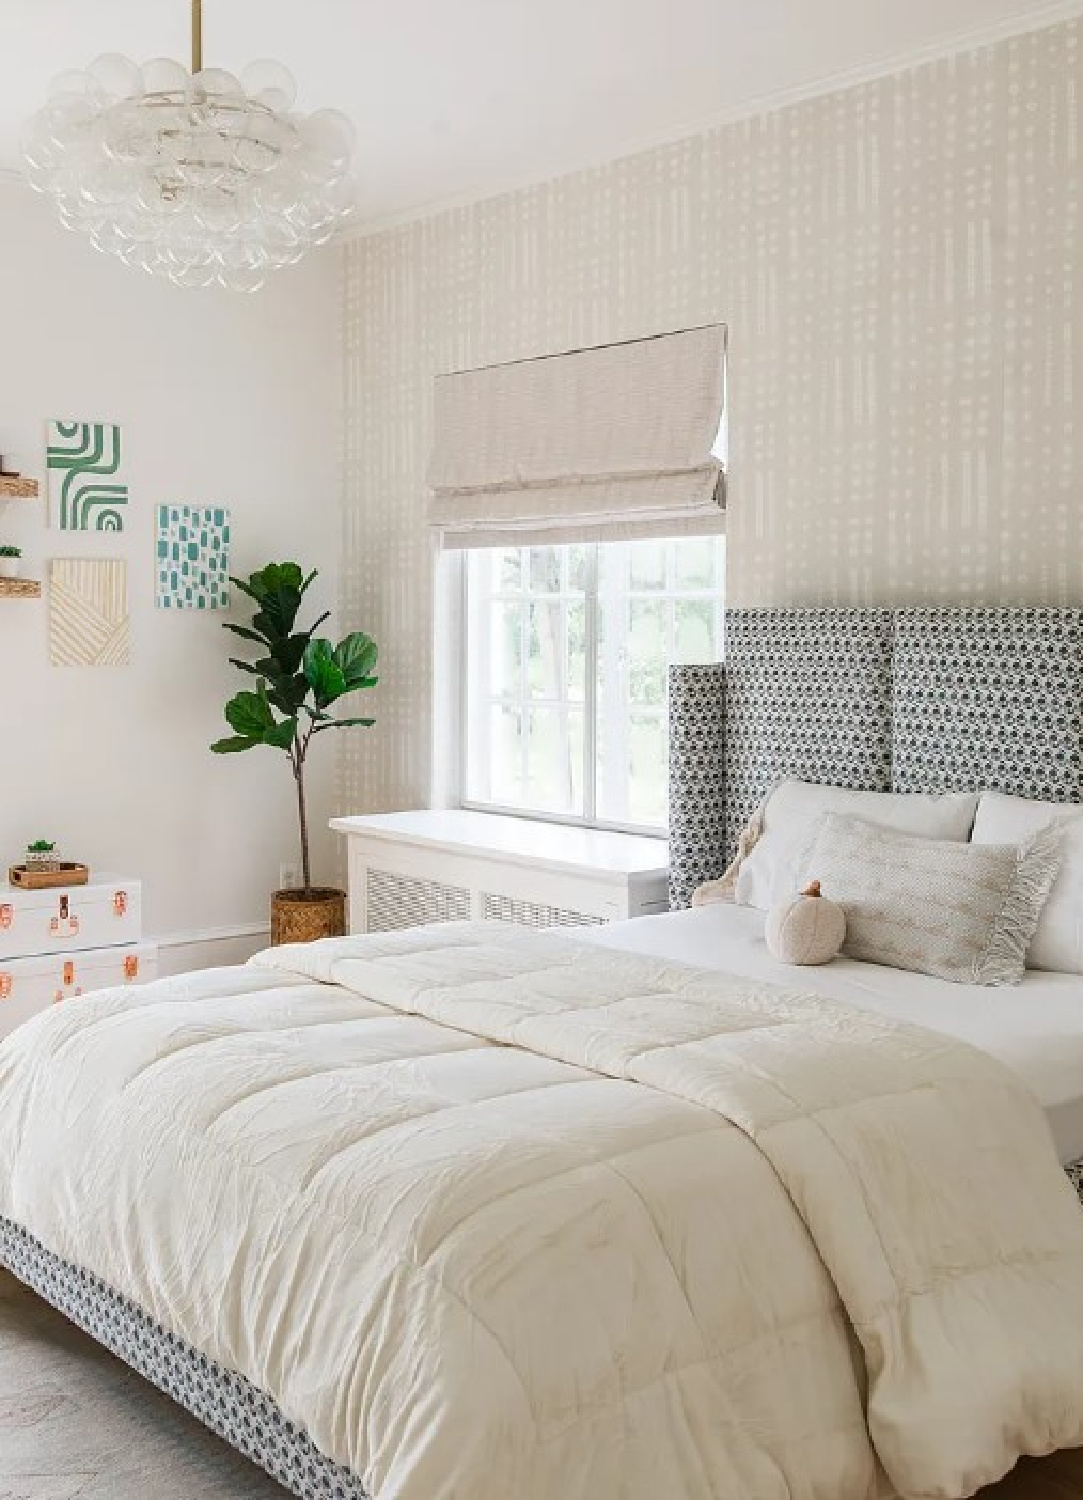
<point x="1038" y="18"/>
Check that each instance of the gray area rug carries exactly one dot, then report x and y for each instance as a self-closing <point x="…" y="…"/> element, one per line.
<point x="77" y="1424"/>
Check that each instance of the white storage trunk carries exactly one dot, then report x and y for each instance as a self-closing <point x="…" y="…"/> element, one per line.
<point x="30" y="985"/>
<point x="106" y="912"/>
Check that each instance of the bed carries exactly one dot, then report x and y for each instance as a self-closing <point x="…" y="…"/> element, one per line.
<point x="472" y="1211"/>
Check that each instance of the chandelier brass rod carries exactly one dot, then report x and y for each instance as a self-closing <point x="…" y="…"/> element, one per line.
<point x="197" y="36"/>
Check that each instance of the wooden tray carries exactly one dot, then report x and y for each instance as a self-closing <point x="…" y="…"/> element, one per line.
<point x="48" y="880"/>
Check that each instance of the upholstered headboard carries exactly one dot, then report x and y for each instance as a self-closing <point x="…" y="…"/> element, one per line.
<point x="903" y="700"/>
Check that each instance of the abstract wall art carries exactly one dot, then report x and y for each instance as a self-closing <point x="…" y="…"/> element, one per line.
<point x="87" y="488"/>
<point x="88" y="612"/>
<point x="192" y="557"/>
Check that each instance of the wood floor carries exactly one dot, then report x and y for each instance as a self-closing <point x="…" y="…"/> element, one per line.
<point x="1057" y="1478"/>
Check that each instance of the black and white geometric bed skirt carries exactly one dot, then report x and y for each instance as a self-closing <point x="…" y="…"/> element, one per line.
<point x="222" y="1400"/>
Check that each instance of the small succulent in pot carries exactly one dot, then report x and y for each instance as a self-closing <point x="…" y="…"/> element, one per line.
<point x="42" y="855"/>
<point x="9" y="561"/>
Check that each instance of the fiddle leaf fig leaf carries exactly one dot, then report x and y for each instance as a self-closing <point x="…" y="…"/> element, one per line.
<point x="234" y="744"/>
<point x="250" y="714"/>
<point x="244" y="666"/>
<point x="342" y="724"/>
<point x="325" y="676"/>
<point x="356" y="657"/>
<point x="282" y="735"/>
<point x="244" y="632"/>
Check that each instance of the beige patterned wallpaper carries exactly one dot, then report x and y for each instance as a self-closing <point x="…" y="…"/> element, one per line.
<point x="900" y="269"/>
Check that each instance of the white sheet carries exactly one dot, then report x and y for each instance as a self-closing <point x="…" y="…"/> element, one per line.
<point x="1036" y="1029"/>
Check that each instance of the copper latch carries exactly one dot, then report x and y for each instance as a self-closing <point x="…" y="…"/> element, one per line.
<point x="64" y="917"/>
<point x="131" y="966"/>
<point x="69" y="974"/>
<point x="120" y="903"/>
<point x="5" y="986"/>
<point x="7" y="916"/>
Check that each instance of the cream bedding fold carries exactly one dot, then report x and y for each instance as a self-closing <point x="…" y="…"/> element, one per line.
<point x="496" y="1213"/>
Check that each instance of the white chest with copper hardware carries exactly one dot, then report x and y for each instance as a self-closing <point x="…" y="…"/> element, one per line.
<point x="102" y="914"/>
<point x="56" y="945"/>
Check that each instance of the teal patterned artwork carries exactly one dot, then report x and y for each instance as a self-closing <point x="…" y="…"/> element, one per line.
<point x="87" y="489"/>
<point x="192" y="557"/>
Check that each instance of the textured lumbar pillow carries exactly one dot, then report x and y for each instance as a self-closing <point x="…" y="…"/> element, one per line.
<point x="807" y="929"/>
<point x="963" y="912"/>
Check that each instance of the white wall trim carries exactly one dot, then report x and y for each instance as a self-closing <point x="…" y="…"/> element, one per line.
<point x="213" y="935"/>
<point x="1034" y="19"/>
<point x="209" y="948"/>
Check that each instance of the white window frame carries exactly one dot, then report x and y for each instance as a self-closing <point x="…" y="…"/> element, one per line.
<point x="452" y="709"/>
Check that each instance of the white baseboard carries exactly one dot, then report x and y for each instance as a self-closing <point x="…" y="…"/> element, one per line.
<point x="210" y="947"/>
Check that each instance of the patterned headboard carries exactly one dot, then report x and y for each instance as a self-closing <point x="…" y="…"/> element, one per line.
<point x="887" y="700"/>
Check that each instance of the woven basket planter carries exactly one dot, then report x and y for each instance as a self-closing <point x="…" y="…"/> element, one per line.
<point x="307" y="916"/>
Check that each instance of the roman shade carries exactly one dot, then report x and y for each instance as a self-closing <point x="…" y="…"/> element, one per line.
<point x="621" y="440"/>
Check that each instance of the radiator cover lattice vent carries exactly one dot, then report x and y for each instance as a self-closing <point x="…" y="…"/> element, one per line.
<point x="532" y="914"/>
<point x="393" y="902"/>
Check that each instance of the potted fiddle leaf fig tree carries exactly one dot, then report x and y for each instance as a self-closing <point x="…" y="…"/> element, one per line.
<point x="300" y="677"/>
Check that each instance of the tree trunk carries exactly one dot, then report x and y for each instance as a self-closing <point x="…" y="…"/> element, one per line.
<point x="302" y="818"/>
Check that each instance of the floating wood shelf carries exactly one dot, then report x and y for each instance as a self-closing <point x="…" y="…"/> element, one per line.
<point x="17" y="489"/>
<point x="19" y="588"/>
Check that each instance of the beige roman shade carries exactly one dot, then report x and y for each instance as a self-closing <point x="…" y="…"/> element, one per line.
<point x="622" y="440"/>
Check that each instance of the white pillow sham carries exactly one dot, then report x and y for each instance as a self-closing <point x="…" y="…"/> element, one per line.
<point x="792" y="814"/>
<point x="1058" y="939"/>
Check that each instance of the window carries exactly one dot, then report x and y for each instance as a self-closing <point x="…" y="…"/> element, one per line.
<point x="565" y="673"/>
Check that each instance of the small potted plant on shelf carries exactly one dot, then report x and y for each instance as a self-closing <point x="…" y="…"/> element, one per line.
<point x="41" y="855"/>
<point x="299" y="676"/>
<point x="9" y="561"/>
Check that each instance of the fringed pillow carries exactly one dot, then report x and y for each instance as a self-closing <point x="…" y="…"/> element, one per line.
<point x="962" y="912"/>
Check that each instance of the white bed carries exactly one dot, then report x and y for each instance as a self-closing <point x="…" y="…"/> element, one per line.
<point x="486" y="1212"/>
<point x="1036" y="1028"/>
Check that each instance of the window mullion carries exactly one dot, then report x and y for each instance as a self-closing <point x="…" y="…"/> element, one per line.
<point x="590" y="685"/>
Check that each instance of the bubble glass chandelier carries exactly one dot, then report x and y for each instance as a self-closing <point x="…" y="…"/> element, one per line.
<point x="198" y="176"/>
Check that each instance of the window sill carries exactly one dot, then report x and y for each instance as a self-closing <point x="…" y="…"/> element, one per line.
<point x="566" y="847"/>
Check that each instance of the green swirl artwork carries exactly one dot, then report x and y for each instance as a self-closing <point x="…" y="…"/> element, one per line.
<point x="86" y="488"/>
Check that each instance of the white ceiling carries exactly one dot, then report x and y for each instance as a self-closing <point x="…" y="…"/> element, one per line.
<point x="455" y="99"/>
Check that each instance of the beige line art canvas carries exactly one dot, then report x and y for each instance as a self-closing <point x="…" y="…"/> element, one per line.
<point x="88" y="612"/>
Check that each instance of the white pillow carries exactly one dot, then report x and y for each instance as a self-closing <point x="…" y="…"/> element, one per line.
<point x="1058" y="938"/>
<point x="792" y="815"/>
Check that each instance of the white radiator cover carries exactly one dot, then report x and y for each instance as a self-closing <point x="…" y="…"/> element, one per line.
<point x="407" y="869"/>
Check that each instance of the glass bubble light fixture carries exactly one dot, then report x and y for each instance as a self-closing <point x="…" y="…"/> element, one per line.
<point x="198" y="176"/>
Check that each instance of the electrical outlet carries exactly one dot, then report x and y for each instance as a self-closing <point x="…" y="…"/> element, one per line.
<point x="288" y="878"/>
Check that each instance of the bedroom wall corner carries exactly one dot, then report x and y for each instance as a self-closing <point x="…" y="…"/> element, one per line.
<point x="222" y="398"/>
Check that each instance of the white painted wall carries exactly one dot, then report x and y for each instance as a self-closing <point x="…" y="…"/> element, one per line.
<point x="223" y="399"/>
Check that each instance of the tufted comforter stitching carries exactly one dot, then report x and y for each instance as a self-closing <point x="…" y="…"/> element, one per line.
<point x="575" y="1345"/>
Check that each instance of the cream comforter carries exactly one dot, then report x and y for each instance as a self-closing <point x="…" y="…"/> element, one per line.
<point x="501" y="1216"/>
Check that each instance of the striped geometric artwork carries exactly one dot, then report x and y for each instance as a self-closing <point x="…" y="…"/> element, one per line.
<point x="88" y="612"/>
<point x="86" y="490"/>
<point x="192" y="557"/>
